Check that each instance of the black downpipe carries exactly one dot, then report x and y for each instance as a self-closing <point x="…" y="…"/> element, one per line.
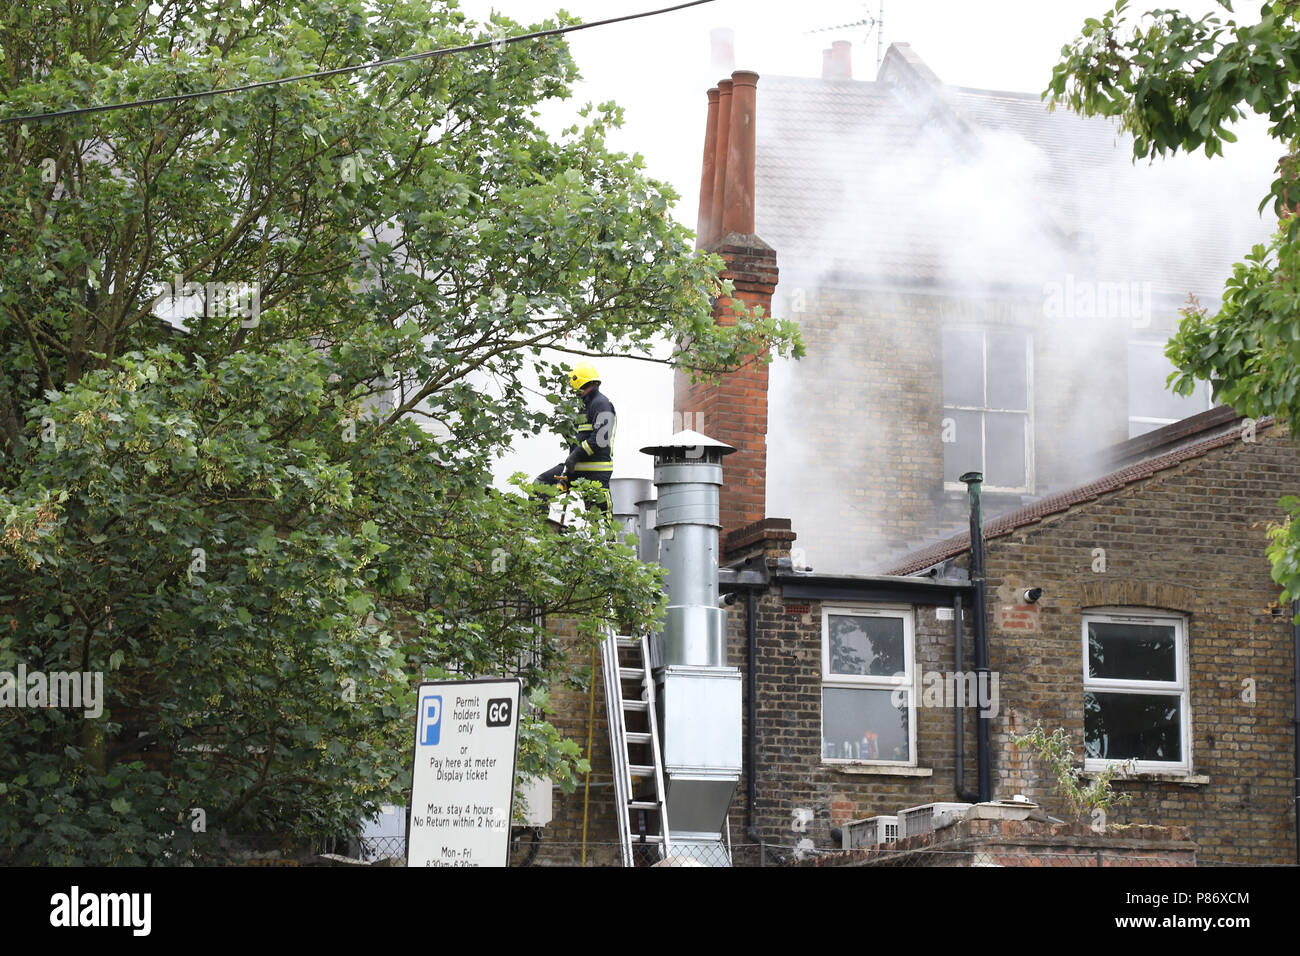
<point x="959" y="709"/>
<point x="751" y="710"/>
<point x="973" y="480"/>
<point x="1295" y="723"/>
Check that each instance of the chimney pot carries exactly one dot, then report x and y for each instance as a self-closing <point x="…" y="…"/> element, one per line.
<point x="738" y="201"/>
<point x="841" y="60"/>
<point x="708" y="171"/>
<point x="720" y="161"/>
<point x="722" y="54"/>
<point x="826" y="64"/>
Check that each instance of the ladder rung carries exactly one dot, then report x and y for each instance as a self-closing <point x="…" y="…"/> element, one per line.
<point x="628" y="642"/>
<point x="641" y="769"/>
<point x="642" y="805"/>
<point x="637" y="736"/>
<point x="640" y="705"/>
<point x="632" y="673"/>
<point x="648" y="838"/>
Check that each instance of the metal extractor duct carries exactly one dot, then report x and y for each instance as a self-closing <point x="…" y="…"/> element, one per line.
<point x="701" y="697"/>
<point x="626" y="493"/>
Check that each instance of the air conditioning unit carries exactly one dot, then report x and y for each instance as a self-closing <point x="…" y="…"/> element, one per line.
<point x="915" y="821"/>
<point x="869" y="832"/>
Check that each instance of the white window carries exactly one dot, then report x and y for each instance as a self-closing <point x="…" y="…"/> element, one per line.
<point x="1135" y="701"/>
<point x="868" y="690"/>
<point x="1151" y="404"/>
<point x="987" y="425"/>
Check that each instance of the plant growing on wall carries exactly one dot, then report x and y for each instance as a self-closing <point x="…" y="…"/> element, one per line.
<point x="1057" y="752"/>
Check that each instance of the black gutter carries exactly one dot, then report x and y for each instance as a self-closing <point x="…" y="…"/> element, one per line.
<point x="973" y="480"/>
<point x="884" y="589"/>
<point x="751" y="712"/>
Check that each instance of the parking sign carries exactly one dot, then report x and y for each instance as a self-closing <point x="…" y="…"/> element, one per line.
<point x="463" y="773"/>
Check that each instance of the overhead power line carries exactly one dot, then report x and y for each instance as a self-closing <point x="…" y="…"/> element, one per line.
<point x="495" y="43"/>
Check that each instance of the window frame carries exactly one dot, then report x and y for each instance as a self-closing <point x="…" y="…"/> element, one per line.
<point x="984" y="410"/>
<point x="1203" y="390"/>
<point x="907" y="682"/>
<point x="1181" y="685"/>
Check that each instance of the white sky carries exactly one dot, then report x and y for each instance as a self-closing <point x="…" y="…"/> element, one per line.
<point x="658" y="70"/>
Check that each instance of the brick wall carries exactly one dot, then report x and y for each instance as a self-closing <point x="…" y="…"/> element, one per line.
<point x="790" y="771"/>
<point x="1189" y="540"/>
<point x="733" y="409"/>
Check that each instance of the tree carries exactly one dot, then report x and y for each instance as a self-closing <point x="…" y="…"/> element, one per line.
<point x="263" y="520"/>
<point x="1178" y="83"/>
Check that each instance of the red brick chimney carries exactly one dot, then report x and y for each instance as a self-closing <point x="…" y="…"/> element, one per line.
<point x="734" y="409"/>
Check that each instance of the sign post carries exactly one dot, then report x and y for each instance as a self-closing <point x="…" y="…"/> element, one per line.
<point x="463" y="774"/>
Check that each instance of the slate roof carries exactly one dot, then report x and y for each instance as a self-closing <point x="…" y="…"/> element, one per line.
<point x="905" y="180"/>
<point x="1061" y="501"/>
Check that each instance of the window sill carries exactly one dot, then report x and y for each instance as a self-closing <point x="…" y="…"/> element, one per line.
<point x="1183" y="779"/>
<point x="879" y="769"/>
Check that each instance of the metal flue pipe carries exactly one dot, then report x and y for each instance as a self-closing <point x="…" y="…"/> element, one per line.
<point x="973" y="480"/>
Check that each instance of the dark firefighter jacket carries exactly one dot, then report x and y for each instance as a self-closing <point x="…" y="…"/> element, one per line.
<point x="596" y="437"/>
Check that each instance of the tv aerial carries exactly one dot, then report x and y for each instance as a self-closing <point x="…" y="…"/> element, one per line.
<point x="877" y="23"/>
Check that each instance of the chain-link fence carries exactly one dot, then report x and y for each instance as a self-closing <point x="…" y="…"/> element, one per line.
<point x="532" y="848"/>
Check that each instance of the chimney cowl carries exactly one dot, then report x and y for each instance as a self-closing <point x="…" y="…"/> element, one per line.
<point x="687" y="440"/>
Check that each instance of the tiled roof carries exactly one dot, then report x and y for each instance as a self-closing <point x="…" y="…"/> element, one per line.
<point x="1052" y="504"/>
<point x="920" y="183"/>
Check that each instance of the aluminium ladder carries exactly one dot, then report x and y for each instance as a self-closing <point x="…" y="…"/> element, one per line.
<point x="621" y="741"/>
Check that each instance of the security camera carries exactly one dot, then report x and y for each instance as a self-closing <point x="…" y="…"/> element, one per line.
<point x="1032" y="595"/>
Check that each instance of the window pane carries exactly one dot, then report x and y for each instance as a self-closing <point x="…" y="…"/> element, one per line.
<point x="962" y="454"/>
<point x="864" y="724"/>
<point x="867" y="646"/>
<point x="1147" y="395"/>
<point x="963" y="368"/>
<point x="1132" y="651"/>
<point x="1008" y="375"/>
<point x="1004" y="466"/>
<point x="1120" y="726"/>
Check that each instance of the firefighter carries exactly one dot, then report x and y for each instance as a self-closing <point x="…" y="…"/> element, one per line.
<point x="591" y="456"/>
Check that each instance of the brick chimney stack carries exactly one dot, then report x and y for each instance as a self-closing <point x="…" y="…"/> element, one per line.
<point x="734" y="409"/>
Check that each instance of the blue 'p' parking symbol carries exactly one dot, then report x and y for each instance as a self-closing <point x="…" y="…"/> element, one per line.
<point x="430" y="719"/>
